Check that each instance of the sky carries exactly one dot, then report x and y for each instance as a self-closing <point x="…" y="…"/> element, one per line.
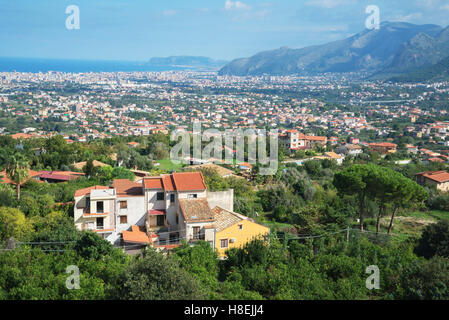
<point x="136" y="30"/>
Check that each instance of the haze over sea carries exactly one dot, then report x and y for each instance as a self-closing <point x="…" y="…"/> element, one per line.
<point x="35" y="65"/>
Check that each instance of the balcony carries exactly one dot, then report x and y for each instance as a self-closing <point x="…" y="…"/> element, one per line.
<point x="97" y="228"/>
<point x="197" y="237"/>
<point x="88" y="214"/>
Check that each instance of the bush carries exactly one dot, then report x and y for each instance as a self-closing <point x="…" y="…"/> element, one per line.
<point x="434" y="240"/>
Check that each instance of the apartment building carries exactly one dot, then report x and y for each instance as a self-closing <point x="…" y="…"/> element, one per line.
<point x="160" y="211"/>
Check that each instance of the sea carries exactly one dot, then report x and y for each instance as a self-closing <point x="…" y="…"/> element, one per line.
<point x="35" y="65"/>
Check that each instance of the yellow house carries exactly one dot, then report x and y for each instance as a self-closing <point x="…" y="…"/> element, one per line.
<point x="233" y="230"/>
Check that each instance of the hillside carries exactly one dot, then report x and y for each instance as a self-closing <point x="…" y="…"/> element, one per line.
<point x="436" y="72"/>
<point x="369" y="50"/>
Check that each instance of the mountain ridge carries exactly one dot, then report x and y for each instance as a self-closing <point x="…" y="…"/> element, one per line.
<point x="193" y="62"/>
<point x="368" y="50"/>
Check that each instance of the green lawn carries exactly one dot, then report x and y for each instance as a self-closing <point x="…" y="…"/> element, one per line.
<point x="435" y="214"/>
<point x="168" y="165"/>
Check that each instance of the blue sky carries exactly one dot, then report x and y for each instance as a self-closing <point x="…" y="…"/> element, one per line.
<point x="221" y="29"/>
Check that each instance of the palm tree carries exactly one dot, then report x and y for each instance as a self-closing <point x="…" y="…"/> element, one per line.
<point x="17" y="170"/>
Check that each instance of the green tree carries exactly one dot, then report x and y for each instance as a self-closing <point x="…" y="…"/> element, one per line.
<point x="157" y="277"/>
<point x="353" y="181"/>
<point x="434" y="240"/>
<point x="17" y="170"/>
<point x="426" y="280"/>
<point x="13" y="223"/>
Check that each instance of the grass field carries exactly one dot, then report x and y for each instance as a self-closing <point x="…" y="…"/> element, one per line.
<point x="168" y="165"/>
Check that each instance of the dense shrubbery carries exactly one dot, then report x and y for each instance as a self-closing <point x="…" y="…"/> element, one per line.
<point x="317" y="198"/>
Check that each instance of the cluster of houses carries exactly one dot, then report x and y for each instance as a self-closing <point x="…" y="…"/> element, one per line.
<point x="162" y="211"/>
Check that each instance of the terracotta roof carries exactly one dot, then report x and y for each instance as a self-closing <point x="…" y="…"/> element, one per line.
<point x="167" y="180"/>
<point x="383" y="144"/>
<point x="153" y="183"/>
<point x="127" y="188"/>
<point x="136" y="235"/>
<point x="224" y="218"/>
<point x="82" y="192"/>
<point x="21" y="136"/>
<point x="316" y="138"/>
<point x="223" y="172"/>
<point x="81" y="165"/>
<point x="332" y="155"/>
<point x="60" y="175"/>
<point x="4" y="177"/>
<point x="438" y="176"/>
<point x="196" y="210"/>
<point x="188" y="181"/>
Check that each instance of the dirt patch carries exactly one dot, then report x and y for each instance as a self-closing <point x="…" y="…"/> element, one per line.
<point x="411" y="222"/>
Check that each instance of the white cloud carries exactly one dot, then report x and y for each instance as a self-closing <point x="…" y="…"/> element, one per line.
<point x="237" y="5"/>
<point x="445" y="7"/>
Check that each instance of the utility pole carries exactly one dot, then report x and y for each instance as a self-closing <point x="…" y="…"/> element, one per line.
<point x="347" y="234"/>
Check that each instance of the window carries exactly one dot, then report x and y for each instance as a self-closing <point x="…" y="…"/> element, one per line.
<point x="100" y="207"/>
<point x="223" y="243"/>
<point x="87" y="203"/>
<point x="160" y="196"/>
<point x="240" y="226"/>
<point x="177" y="219"/>
<point x="123" y="204"/>
<point x="160" y="221"/>
<point x="123" y="219"/>
<point x="192" y="196"/>
<point x="172" y="197"/>
<point x="196" y="233"/>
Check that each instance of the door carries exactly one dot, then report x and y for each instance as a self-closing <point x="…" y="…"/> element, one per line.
<point x="100" y="223"/>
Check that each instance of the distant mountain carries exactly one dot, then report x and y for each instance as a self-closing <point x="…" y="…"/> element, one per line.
<point x="424" y="49"/>
<point x="369" y="50"/>
<point x="187" y="62"/>
<point x="436" y="72"/>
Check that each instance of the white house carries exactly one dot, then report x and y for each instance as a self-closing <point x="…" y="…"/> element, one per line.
<point x="168" y="208"/>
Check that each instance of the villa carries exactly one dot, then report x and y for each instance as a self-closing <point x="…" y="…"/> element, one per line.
<point x="163" y="211"/>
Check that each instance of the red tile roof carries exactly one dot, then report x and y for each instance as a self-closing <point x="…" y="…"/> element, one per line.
<point x="82" y="192"/>
<point x="127" y="188"/>
<point x="168" y="183"/>
<point x="383" y="144"/>
<point x="196" y="210"/>
<point x="438" y="176"/>
<point x="60" y="175"/>
<point x="136" y="235"/>
<point x="21" y="136"/>
<point x="188" y="181"/>
<point x="4" y="177"/>
<point x="153" y="183"/>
